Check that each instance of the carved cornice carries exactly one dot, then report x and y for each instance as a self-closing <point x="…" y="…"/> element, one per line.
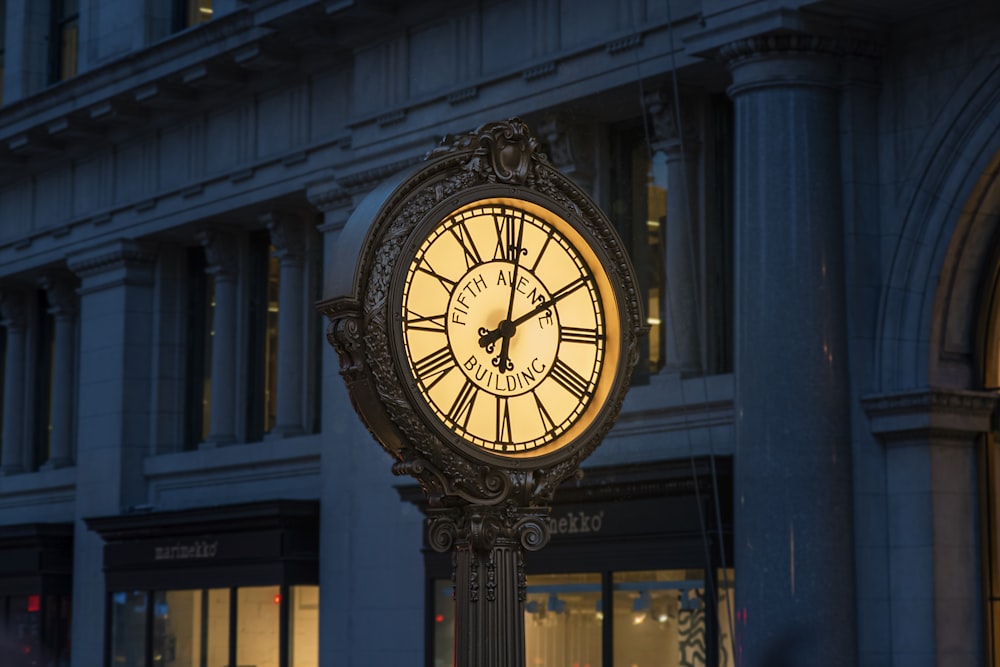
<point x="926" y="414"/>
<point x="328" y="195"/>
<point x="363" y="181"/>
<point x="122" y="254"/>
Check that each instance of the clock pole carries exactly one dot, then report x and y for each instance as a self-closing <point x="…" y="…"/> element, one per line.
<point x="488" y="545"/>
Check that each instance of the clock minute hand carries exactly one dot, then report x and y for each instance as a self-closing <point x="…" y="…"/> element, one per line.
<point x="545" y="305"/>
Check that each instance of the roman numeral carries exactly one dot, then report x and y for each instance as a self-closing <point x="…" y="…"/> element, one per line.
<point x="435" y="365"/>
<point x="570" y="288"/>
<point x="461" y="409"/>
<point x="510" y="229"/>
<point x="503" y="422"/>
<point x="538" y="257"/>
<point x="435" y="323"/>
<point x="469" y="250"/>
<point x="579" y="335"/>
<point x="569" y="379"/>
<point x="425" y="267"/>
<point x="547" y="422"/>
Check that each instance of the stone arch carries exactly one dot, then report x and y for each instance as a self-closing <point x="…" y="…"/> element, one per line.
<point x="929" y="311"/>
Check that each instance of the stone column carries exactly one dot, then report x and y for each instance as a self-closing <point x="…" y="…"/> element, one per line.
<point x="12" y="309"/>
<point x="675" y="136"/>
<point x="793" y="519"/>
<point x="222" y="255"/>
<point x="288" y="235"/>
<point x="61" y="293"/>
<point x="115" y="371"/>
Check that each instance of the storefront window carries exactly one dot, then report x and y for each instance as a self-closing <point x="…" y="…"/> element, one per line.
<point x="562" y="620"/>
<point x="195" y="628"/>
<point x="257" y="626"/>
<point x="303" y="626"/>
<point x="128" y="628"/>
<point x="660" y="618"/>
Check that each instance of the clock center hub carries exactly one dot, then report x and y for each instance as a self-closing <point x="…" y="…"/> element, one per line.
<point x="495" y="351"/>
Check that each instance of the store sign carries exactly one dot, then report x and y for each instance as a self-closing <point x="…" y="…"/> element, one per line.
<point x="198" y="550"/>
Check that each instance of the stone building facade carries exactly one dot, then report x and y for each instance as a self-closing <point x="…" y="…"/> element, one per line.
<point x="805" y="471"/>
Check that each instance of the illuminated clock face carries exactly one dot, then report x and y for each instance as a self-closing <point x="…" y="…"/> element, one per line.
<point x="510" y="327"/>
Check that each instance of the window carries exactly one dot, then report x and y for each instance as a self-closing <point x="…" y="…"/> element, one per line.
<point x="65" y="40"/>
<point x="681" y="246"/>
<point x="638" y="211"/>
<point x="188" y="13"/>
<point x="44" y="367"/>
<point x="656" y="618"/>
<point x="262" y="362"/>
<point x="264" y="626"/>
<point x="38" y="627"/>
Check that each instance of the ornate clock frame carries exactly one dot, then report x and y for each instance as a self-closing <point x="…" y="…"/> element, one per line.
<point x="487" y="509"/>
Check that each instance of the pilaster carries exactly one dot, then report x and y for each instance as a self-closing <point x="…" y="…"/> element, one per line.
<point x="931" y="439"/>
<point x="116" y="342"/>
<point x="794" y="548"/>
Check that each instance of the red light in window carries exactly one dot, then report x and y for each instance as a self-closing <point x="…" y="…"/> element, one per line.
<point x="439" y="618"/>
<point x="277" y="599"/>
<point x="34" y="603"/>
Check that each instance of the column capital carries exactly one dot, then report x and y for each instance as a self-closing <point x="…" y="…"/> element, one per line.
<point x="60" y="290"/>
<point x="570" y="146"/>
<point x="791" y="59"/>
<point x="673" y="126"/>
<point x="12" y="308"/>
<point x="288" y="233"/>
<point x="221" y="252"/>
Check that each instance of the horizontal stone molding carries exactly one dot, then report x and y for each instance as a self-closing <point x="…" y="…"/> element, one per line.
<point x="119" y="254"/>
<point x="922" y="414"/>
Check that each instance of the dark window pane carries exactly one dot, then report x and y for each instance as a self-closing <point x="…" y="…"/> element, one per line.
<point x="128" y="629"/>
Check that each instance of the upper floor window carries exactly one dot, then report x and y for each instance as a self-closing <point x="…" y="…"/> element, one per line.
<point x="248" y="346"/>
<point x="65" y="40"/>
<point x="189" y="13"/>
<point x="669" y="197"/>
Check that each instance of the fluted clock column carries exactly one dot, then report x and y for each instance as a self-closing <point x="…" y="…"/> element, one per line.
<point x="793" y="502"/>
<point x="12" y="309"/>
